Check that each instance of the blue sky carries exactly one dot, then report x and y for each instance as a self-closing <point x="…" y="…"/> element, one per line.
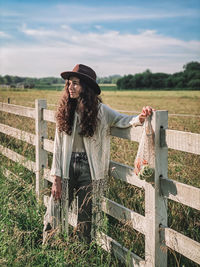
<point x="43" y="38"/>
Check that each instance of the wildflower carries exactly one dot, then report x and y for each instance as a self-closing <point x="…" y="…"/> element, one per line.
<point x="143" y="170"/>
<point x="138" y="165"/>
<point x="147" y="173"/>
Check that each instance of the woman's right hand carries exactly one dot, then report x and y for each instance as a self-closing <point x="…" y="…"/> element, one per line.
<point x="56" y="188"/>
<point x="146" y="111"/>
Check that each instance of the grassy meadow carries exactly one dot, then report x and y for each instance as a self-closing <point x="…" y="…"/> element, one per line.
<point x="21" y="217"/>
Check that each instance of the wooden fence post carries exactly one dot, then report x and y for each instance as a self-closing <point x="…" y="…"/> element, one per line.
<point x="41" y="154"/>
<point x="155" y="203"/>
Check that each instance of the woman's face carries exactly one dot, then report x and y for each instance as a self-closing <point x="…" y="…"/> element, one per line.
<point x="74" y="87"/>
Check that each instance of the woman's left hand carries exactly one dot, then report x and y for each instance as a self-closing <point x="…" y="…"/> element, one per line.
<point x="146" y="111"/>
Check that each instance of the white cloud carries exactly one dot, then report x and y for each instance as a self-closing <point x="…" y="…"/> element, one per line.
<point x="39" y="33"/>
<point x="4" y="35"/>
<point x="76" y="14"/>
<point x="98" y="27"/>
<point x="86" y="14"/>
<point x="108" y="53"/>
<point x="147" y="41"/>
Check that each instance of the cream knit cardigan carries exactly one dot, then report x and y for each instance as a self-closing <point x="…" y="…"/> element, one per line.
<point x="97" y="147"/>
<point x="98" y="152"/>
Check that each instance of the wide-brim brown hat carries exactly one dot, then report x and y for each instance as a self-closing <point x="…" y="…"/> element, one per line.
<point x="86" y="74"/>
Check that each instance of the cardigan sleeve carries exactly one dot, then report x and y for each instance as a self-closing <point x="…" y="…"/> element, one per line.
<point x="119" y="120"/>
<point x="57" y="153"/>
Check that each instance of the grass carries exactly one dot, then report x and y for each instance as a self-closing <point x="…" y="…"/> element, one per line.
<point x="21" y="228"/>
<point x="21" y="217"/>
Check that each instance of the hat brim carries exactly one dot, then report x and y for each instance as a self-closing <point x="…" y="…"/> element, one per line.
<point x="65" y="75"/>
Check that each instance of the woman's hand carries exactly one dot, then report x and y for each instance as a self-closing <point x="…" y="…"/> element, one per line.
<point x="56" y="188"/>
<point x="146" y="111"/>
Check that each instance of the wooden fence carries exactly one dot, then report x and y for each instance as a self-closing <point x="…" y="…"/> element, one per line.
<point x="158" y="236"/>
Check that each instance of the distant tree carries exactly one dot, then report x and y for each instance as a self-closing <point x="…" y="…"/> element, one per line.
<point x="159" y="80"/>
<point x="194" y="65"/>
<point x="144" y="80"/>
<point x="120" y="83"/>
<point x="192" y="74"/>
<point x="194" y="84"/>
<point x="127" y="82"/>
<point x="147" y="78"/>
<point x="115" y="78"/>
<point x="54" y="80"/>
<point x="8" y="79"/>
<point x="2" y="80"/>
<point x="108" y="79"/>
<point x="139" y="80"/>
<point x="17" y="79"/>
<point x="169" y="82"/>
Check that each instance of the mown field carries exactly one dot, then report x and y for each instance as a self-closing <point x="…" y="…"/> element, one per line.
<point x="21" y="216"/>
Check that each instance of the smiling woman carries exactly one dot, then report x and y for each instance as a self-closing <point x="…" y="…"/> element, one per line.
<point x="74" y="87"/>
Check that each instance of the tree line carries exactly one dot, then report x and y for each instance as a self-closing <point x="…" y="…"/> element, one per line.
<point x="189" y="78"/>
<point x="28" y="82"/>
<point x="112" y="79"/>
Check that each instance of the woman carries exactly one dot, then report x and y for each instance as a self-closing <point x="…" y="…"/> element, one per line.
<point x="82" y="142"/>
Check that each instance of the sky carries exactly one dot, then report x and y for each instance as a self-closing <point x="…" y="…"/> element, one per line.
<point x="42" y="38"/>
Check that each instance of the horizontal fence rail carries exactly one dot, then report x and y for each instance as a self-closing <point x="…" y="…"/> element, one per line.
<point x="18" y="134"/>
<point x="183" y="141"/>
<point x="30" y="165"/>
<point x="179" y="192"/>
<point x="125" y="173"/>
<point x="182" y="244"/>
<point x="18" y="110"/>
<point x="123" y="214"/>
<point x="109" y="244"/>
<point x="49" y="115"/>
<point x="168" y="188"/>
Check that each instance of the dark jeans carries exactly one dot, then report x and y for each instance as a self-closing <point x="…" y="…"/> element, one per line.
<point x="80" y="181"/>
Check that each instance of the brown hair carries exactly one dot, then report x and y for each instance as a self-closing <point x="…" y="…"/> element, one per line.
<point x="87" y="105"/>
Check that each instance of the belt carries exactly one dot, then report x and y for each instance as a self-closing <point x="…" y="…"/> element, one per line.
<point x="79" y="156"/>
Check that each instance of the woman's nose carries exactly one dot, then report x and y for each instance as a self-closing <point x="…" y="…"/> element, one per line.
<point x="70" y="85"/>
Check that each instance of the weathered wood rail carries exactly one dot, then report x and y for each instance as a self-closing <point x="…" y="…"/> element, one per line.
<point x="154" y="223"/>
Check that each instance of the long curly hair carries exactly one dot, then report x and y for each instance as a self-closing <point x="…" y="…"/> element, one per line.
<point x="87" y="106"/>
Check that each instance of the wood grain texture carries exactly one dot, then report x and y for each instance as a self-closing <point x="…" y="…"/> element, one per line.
<point x="18" y="134"/>
<point x="182" y="244"/>
<point x="18" y="110"/>
<point x="182" y="193"/>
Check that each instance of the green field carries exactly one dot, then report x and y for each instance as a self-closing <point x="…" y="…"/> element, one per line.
<point x="21" y="217"/>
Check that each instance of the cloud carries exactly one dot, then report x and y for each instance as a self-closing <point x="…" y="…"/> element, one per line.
<point x="148" y="42"/>
<point x="86" y="14"/>
<point x="39" y="33"/>
<point x="108" y="52"/>
<point x="4" y="35"/>
<point x="76" y="14"/>
<point x="98" y="27"/>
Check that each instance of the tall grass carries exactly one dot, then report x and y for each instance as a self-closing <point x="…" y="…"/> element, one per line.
<point x="21" y="217"/>
<point x="21" y="226"/>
